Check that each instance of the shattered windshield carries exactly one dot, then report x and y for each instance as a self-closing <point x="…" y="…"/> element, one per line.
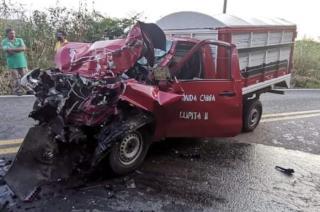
<point x="158" y="53"/>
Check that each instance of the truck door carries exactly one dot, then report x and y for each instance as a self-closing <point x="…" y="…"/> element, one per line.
<point x="212" y="101"/>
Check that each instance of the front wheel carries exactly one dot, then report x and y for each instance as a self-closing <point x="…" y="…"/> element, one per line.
<point x="129" y="153"/>
<point x="251" y="115"/>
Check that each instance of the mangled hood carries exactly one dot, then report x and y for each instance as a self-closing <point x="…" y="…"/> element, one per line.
<point x="86" y="104"/>
<point x="111" y="57"/>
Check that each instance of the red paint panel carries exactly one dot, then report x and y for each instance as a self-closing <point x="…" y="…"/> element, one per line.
<point x="209" y="65"/>
<point x="148" y="97"/>
<point x="203" y="112"/>
<point x="263" y="77"/>
<point x="253" y="80"/>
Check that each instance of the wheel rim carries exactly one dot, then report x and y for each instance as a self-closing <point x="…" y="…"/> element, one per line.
<point x="130" y="148"/>
<point x="254" y="117"/>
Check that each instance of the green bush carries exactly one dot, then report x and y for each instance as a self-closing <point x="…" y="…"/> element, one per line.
<point x="4" y="82"/>
<point x="307" y="64"/>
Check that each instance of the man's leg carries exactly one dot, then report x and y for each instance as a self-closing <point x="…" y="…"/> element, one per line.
<point x="15" y="81"/>
<point x="21" y="72"/>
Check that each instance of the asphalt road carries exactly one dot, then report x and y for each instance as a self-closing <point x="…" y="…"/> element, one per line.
<point x="293" y="100"/>
<point x="291" y="121"/>
<point x="221" y="174"/>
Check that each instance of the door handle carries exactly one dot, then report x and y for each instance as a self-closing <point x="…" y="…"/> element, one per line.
<point x="227" y="93"/>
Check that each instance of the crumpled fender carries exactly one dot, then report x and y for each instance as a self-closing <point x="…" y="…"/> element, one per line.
<point x="148" y="97"/>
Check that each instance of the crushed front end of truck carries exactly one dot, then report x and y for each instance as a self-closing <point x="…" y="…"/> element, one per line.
<point x="99" y="94"/>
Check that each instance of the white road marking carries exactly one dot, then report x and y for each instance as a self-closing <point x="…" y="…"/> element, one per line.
<point x="289" y="117"/>
<point x="10" y="142"/>
<point x="290" y="113"/>
<point x="10" y="150"/>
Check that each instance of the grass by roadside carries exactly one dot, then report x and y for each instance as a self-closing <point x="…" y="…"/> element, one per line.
<point x="4" y="82"/>
<point x="306" y="72"/>
<point x="312" y="80"/>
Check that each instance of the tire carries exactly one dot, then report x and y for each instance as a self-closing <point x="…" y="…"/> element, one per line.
<point x="128" y="154"/>
<point x="251" y="115"/>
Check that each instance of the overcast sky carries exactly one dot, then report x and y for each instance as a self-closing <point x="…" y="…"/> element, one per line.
<point x="304" y="13"/>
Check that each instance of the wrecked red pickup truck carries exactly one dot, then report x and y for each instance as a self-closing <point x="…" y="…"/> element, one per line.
<point x="111" y="99"/>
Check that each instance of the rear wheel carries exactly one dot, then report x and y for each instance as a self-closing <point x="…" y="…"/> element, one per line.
<point x="251" y="115"/>
<point x="129" y="153"/>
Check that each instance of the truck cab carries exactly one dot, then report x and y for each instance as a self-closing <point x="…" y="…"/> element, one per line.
<point x="207" y="75"/>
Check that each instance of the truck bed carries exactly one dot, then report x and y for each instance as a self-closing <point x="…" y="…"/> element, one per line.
<point x="265" y="46"/>
<point x="267" y="83"/>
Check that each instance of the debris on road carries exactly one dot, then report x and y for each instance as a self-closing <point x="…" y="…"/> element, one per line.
<point x="193" y="154"/>
<point x="32" y="195"/>
<point x="2" y="162"/>
<point x="6" y="197"/>
<point x="110" y="192"/>
<point x="131" y="184"/>
<point x="4" y="206"/>
<point x="108" y="187"/>
<point x="284" y="170"/>
<point x="89" y="187"/>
